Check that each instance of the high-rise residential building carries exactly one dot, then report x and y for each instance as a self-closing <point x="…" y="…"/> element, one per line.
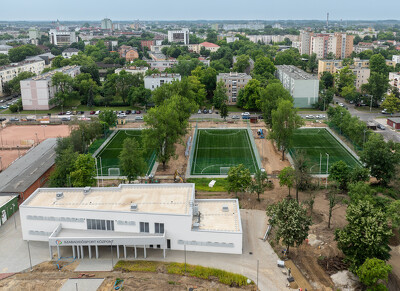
<point x="106" y="23"/>
<point x="36" y="92"/>
<point x="234" y="82"/>
<point x="344" y="45"/>
<point x="62" y="37"/>
<point x="33" y="33"/>
<point x="305" y="40"/>
<point x="179" y="36"/>
<point x="303" y="87"/>
<point x="322" y="45"/>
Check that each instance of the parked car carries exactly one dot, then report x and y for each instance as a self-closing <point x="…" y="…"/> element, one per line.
<point x="245" y="116"/>
<point x="122" y="115"/>
<point x="205" y="111"/>
<point x="128" y="111"/>
<point x="80" y="112"/>
<point x="384" y="111"/>
<point x="97" y="112"/>
<point x="235" y="117"/>
<point x="68" y="112"/>
<point x="341" y="104"/>
<point x="138" y="111"/>
<point x="260" y="117"/>
<point x="2" y="119"/>
<point x="380" y="126"/>
<point x="199" y="112"/>
<point x="139" y="117"/>
<point x="61" y="113"/>
<point x="92" y="112"/>
<point x="245" y="113"/>
<point x="14" y="119"/>
<point x="210" y="111"/>
<point x="2" y="100"/>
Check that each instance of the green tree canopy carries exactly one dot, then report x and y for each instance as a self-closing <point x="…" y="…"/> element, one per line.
<point x="287" y="177"/>
<point x="372" y="271"/>
<point x="220" y="96"/>
<point x="249" y="97"/>
<point x="270" y="97"/>
<point x="340" y="173"/>
<point x="131" y="159"/>
<point x="84" y="171"/>
<point x="242" y="63"/>
<point x="239" y="179"/>
<point x="108" y="117"/>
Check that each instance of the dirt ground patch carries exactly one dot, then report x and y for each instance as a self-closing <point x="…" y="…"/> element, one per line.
<point x="46" y="274"/>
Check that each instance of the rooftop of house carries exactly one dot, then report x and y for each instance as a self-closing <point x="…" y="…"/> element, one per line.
<point x="50" y="74"/>
<point x="71" y="50"/>
<point x="209" y="44"/>
<point x="296" y="73"/>
<point x="149" y="198"/>
<point x="233" y="75"/>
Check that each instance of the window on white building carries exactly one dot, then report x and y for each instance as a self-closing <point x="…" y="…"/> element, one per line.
<point x="99" y="224"/>
<point x="158" y="227"/>
<point x="144" y="227"/>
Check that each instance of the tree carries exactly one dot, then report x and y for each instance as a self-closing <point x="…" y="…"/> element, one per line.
<point x="377" y="86"/>
<point x="312" y="63"/>
<point x="340" y="173"/>
<point x="249" y="97"/>
<point x="288" y="57"/>
<point x="284" y="121"/>
<point x="372" y="271"/>
<point x="220" y="95"/>
<point x="394" y="213"/>
<point x="64" y="163"/>
<point x="17" y="107"/>
<point x="327" y="80"/>
<point x="64" y="87"/>
<point x="302" y="175"/>
<point x="207" y="77"/>
<point x="139" y="95"/>
<point x="391" y="104"/>
<point x="291" y="222"/>
<point x="212" y="36"/>
<point x="19" y="53"/>
<point x="260" y="183"/>
<point x="377" y="64"/>
<point x="270" y="97"/>
<point x="239" y="179"/>
<point x="264" y="69"/>
<point x="224" y="111"/>
<point x="380" y="157"/>
<point x="287" y="177"/>
<point x="345" y="77"/>
<point x="131" y="159"/>
<point x="242" y="63"/>
<point x="84" y="171"/>
<point x="333" y="201"/>
<point x="365" y="236"/>
<point x="108" y="117"/>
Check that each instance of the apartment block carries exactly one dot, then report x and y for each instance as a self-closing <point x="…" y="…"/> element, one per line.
<point x="106" y="23"/>
<point x="156" y="80"/>
<point x="7" y="73"/>
<point x="396" y="59"/>
<point x="303" y="87"/>
<point x="133" y="70"/>
<point x="344" y="45"/>
<point x="62" y="37"/>
<point x="394" y="79"/>
<point x="234" y="82"/>
<point x="179" y="36"/>
<point x="36" y="92"/>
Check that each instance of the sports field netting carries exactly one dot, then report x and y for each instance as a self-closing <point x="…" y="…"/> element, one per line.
<point x="316" y="144"/>
<point x="110" y="153"/>
<point x="215" y="150"/>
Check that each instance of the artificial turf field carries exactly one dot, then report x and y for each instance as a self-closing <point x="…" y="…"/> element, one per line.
<point x="317" y="142"/>
<point x="110" y="153"/>
<point x="216" y="148"/>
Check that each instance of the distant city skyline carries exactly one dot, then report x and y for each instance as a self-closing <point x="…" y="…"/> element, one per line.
<point x="95" y="10"/>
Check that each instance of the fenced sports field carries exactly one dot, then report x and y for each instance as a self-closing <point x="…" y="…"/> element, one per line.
<point x="214" y="151"/>
<point x="321" y="148"/>
<point x="108" y="157"/>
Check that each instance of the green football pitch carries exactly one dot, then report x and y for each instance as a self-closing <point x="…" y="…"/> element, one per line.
<point x="110" y="153"/>
<point x="222" y="148"/>
<point x="317" y="144"/>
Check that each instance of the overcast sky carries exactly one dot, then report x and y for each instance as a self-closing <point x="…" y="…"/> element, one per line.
<point x="200" y="9"/>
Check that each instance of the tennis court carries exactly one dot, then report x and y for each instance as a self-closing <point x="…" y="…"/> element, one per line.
<point x="216" y="150"/>
<point x="108" y="157"/>
<point x="319" y="145"/>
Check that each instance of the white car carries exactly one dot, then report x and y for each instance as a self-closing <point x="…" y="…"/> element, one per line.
<point x="68" y="113"/>
<point x="341" y="104"/>
<point x="199" y="112"/>
<point x="122" y="115"/>
<point x="245" y="113"/>
<point x="139" y="117"/>
<point x="97" y="112"/>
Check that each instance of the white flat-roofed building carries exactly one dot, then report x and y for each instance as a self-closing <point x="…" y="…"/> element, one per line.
<point x="154" y="81"/>
<point x="396" y="58"/>
<point x="303" y="87"/>
<point x="160" y="216"/>
<point x="133" y="70"/>
<point x="62" y="37"/>
<point x="179" y="36"/>
<point x="36" y="92"/>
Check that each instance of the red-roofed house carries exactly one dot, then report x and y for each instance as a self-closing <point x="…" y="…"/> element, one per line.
<point x="207" y="45"/>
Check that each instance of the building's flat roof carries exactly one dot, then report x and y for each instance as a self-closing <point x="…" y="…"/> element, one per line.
<point x="49" y="75"/>
<point x="4" y="199"/>
<point x="26" y="170"/>
<point x="296" y="73"/>
<point x="395" y="119"/>
<point x="150" y="198"/>
<point x="154" y="76"/>
<point x="234" y="75"/>
<point x="212" y="217"/>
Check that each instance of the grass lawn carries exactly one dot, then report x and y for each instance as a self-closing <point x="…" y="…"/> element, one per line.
<point x="216" y="148"/>
<point x="202" y="184"/>
<point x="110" y="153"/>
<point x="316" y="142"/>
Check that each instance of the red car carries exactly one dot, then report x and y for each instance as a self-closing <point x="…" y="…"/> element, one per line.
<point x="138" y="111"/>
<point x="92" y="112"/>
<point x="61" y="113"/>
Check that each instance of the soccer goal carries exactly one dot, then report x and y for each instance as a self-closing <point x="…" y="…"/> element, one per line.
<point x="224" y="170"/>
<point x="113" y="172"/>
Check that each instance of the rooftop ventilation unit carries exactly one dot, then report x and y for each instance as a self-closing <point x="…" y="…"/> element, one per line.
<point x="134" y="207"/>
<point x="225" y="208"/>
<point x="86" y="190"/>
<point x="59" y="195"/>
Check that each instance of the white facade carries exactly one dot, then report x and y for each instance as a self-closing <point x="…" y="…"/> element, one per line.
<point x="230" y="39"/>
<point x="34" y="33"/>
<point x="396" y="58"/>
<point x="133" y="70"/>
<point x="303" y="87"/>
<point x="5" y="48"/>
<point x="69" y="52"/>
<point x="106" y="23"/>
<point x="163" y="216"/>
<point x="7" y="73"/>
<point x="394" y="79"/>
<point x="179" y="36"/>
<point x="156" y="80"/>
<point x="62" y="37"/>
<point x="36" y="92"/>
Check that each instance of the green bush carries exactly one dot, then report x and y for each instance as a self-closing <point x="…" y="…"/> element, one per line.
<point x="202" y="184"/>
<point x="137" y="266"/>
